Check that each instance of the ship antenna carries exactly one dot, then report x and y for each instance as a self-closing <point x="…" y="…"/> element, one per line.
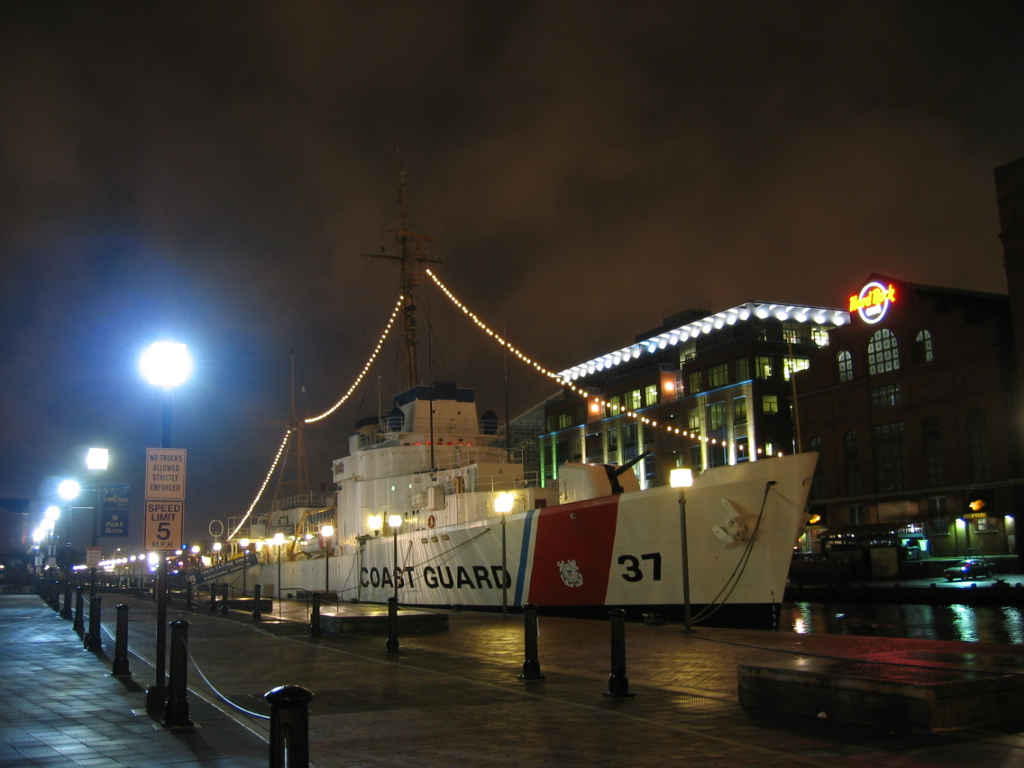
<point x="413" y="251"/>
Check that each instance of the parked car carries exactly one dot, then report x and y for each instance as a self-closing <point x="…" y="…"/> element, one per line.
<point x="972" y="568"/>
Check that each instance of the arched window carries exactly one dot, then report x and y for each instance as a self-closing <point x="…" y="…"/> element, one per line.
<point x="845" y="362"/>
<point x="883" y="353"/>
<point x="931" y="438"/>
<point x="851" y="463"/>
<point x="924" y="352"/>
<point x="977" y="445"/>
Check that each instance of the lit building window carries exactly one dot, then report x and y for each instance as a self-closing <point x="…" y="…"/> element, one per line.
<point x="791" y="365"/>
<point x="693" y="382"/>
<point x="742" y="368"/>
<point x="883" y="352"/>
<point x="769" y="403"/>
<point x="763" y="366"/>
<point x="923" y="350"/>
<point x="851" y="463"/>
<point x="651" y="394"/>
<point x="633" y="400"/>
<point x="693" y="420"/>
<point x="886" y="396"/>
<point x="716" y="415"/>
<point x="845" y="362"/>
<point x="718" y="375"/>
<point x="739" y="410"/>
<point x="819" y="335"/>
<point x="890" y="453"/>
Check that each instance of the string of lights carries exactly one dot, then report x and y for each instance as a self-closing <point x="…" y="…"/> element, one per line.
<point x="366" y="367"/>
<point x="288" y="433"/>
<point x="600" y="402"/>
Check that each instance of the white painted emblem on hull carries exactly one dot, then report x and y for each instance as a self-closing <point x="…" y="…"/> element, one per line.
<point x="571" y="575"/>
<point x="738" y="529"/>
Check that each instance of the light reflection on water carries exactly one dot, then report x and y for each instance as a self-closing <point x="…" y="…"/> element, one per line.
<point x="924" y="622"/>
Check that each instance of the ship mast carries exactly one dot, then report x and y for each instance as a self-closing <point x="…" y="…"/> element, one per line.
<point x="299" y="487"/>
<point x="413" y="251"/>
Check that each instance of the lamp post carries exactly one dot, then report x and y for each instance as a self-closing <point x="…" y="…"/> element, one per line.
<point x="682" y="478"/>
<point x="164" y="364"/>
<point x="395" y="522"/>
<point x="50" y="517"/>
<point x="503" y="504"/>
<point x="68" y="490"/>
<point x="279" y="541"/>
<point x="327" y="531"/>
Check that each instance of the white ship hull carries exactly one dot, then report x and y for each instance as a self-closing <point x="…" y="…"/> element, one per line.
<point x="621" y="550"/>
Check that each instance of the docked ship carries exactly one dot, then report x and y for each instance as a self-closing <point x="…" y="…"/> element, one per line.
<point x="431" y="507"/>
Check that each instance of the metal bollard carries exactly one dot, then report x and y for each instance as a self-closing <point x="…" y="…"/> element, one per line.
<point x="120" y="668"/>
<point x="618" y="683"/>
<point x="55" y="596"/>
<point x="224" y="599"/>
<point x="257" y="609"/>
<point x="79" y="625"/>
<point x="213" y="598"/>
<point x="391" y="646"/>
<point x="65" y="612"/>
<point x="176" y="708"/>
<point x="188" y="596"/>
<point x="314" y="619"/>
<point x="93" y="639"/>
<point x="531" y="666"/>
<point x="289" y="726"/>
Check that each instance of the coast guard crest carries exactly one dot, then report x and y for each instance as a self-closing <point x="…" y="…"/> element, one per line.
<point x="571" y="575"/>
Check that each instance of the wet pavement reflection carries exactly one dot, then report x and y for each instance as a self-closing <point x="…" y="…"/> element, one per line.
<point x="964" y="623"/>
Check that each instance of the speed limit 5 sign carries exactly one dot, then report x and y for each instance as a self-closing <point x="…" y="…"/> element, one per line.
<point x="165" y="521"/>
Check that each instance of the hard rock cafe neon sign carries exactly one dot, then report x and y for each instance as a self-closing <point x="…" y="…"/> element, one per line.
<point x="873" y="301"/>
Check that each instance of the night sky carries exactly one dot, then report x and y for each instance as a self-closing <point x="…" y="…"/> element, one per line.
<point x="216" y="172"/>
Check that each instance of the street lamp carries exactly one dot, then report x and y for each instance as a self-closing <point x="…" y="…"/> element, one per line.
<point x="68" y="490"/>
<point x="327" y="531"/>
<point x="682" y="478"/>
<point x="395" y="522"/>
<point x="279" y="541"/>
<point x="50" y="516"/>
<point x="96" y="460"/>
<point x="164" y="364"/>
<point x="503" y="504"/>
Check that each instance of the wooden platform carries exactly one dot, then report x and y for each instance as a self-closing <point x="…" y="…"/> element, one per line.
<point x="895" y="696"/>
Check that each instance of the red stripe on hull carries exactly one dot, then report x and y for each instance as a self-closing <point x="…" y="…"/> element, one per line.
<point x="572" y="553"/>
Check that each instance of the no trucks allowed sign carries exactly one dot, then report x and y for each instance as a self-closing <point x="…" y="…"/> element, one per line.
<point x="165" y="499"/>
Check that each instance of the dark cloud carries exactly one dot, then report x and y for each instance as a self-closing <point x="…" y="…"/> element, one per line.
<point x="219" y="171"/>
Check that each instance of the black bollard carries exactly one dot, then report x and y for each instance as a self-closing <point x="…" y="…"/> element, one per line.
<point x="188" y="595"/>
<point x="176" y="708"/>
<point x="79" y="625"/>
<point x="213" y="598"/>
<point x="120" y="668"/>
<point x="55" y="596"/>
<point x="618" y="683"/>
<point x="289" y="726"/>
<point x="66" y="610"/>
<point x="257" y="609"/>
<point x="314" y="619"/>
<point x="93" y="639"/>
<point x="531" y="666"/>
<point x="224" y="599"/>
<point x="391" y="646"/>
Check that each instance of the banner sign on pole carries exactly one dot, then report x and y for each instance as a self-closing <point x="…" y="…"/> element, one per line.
<point x="114" y="510"/>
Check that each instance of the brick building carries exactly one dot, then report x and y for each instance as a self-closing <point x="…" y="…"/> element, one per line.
<point x="912" y="408"/>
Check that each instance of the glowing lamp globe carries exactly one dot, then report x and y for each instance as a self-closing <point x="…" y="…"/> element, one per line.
<point x="166" y="364"/>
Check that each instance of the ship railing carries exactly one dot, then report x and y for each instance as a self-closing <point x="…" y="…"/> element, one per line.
<point x="300" y="500"/>
<point x="478" y="455"/>
<point x="491" y="483"/>
<point x="253" y="528"/>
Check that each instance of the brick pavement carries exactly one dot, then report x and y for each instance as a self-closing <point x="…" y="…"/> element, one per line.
<point x="453" y="698"/>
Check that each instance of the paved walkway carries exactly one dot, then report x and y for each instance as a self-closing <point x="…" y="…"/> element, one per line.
<point x="453" y="698"/>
